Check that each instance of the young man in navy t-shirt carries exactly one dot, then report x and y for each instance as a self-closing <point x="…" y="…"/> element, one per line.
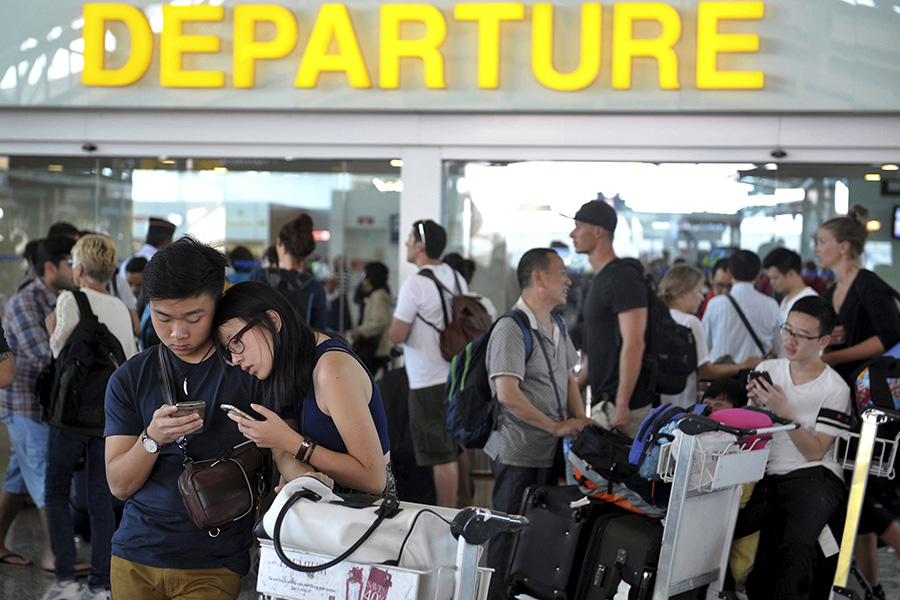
<point x="157" y="550"/>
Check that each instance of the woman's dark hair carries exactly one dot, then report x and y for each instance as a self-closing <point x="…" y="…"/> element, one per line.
<point x="817" y="308"/>
<point x="294" y="346"/>
<point x="271" y="255"/>
<point x="185" y="268"/>
<point x="377" y="274"/>
<point x="297" y="236"/>
<point x="851" y="228"/>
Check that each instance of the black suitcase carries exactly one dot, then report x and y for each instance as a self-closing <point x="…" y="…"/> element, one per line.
<point x="548" y="554"/>
<point x="623" y="546"/>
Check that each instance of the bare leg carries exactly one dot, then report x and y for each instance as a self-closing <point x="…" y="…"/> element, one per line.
<point x="866" y="553"/>
<point x="446" y="483"/>
<point x="10" y="506"/>
<point x="465" y="490"/>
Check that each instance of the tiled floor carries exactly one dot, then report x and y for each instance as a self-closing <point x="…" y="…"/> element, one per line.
<point x="27" y="583"/>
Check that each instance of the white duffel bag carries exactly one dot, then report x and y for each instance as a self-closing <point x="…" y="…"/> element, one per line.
<point x="307" y="515"/>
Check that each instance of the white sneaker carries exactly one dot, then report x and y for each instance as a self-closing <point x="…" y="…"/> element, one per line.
<point x="65" y="590"/>
<point x="96" y="595"/>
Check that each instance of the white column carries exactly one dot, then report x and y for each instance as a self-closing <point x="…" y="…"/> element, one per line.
<point x="421" y="198"/>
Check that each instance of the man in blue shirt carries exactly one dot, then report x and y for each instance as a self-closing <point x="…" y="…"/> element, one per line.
<point x="157" y="550"/>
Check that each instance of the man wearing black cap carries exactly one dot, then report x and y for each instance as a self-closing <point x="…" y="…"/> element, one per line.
<point x="615" y="319"/>
<point x="159" y="235"/>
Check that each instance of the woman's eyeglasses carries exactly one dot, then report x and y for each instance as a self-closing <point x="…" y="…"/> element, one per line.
<point x="786" y="330"/>
<point x="235" y="345"/>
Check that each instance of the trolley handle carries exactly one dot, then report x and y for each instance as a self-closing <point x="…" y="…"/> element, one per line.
<point x="692" y="424"/>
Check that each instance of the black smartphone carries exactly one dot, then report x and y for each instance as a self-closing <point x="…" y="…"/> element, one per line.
<point x="760" y="375"/>
<point x="192" y="406"/>
<point x="234" y="409"/>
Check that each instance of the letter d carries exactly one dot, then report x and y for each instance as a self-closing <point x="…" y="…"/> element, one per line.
<point x="96" y="16"/>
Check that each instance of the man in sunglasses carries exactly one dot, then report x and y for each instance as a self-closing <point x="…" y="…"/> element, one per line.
<point x="802" y="487"/>
<point x="418" y="320"/>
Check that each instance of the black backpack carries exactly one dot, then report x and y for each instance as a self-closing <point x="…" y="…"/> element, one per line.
<point x="670" y="354"/>
<point x="293" y="285"/>
<point x="72" y="388"/>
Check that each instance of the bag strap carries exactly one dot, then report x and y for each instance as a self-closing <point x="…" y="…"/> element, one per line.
<point x="427" y="274"/>
<point x="388" y="509"/>
<point x="84" y="305"/>
<point x="747" y="324"/>
<point x="562" y="414"/>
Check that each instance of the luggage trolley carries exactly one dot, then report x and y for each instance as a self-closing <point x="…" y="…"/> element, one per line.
<point x="874" y="456"/>
<point x="706" y="481"/>
<point x="349" y="580"/>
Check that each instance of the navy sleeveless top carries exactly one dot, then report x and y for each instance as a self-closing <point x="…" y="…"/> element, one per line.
<point x="321" y="427"/>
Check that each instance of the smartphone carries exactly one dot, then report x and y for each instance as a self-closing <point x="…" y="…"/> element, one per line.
<point x="234" y="409"/>
<point x="760" y="375"/>
<point x="192" y="406"/>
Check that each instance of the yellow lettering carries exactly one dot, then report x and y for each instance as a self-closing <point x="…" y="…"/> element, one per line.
<point x="174" y="44"/>
<point x="95" y="18"/>
<point x="711" y="43"/>
<point x="247" y="50"/>
<point x="662" y="48"/>
<point x="393" y="48"/>
<point x="333" y="23"/>
<point x="488" y="17"/>
<point x="542" y="48"/>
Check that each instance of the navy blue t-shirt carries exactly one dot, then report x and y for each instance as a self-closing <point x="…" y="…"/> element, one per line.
<point x="156" y="530"/>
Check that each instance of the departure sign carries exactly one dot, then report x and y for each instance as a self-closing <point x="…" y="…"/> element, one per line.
<point x="644" y="36"/>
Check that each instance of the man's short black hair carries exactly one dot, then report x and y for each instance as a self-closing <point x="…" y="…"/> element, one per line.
<point x="185" y="268"/>
<point x="435" y="237"/>
<point x="733" y="390"/>
<point x="63" y="228"/>
<point x="818" y="308"/>
<point x="721" y="265"/>
<point x="784" y="260"/>
<point x="744" y="265"/>
<point x="136" y="265"/>
<point x="53" y="249"/>
<point x="534" y="259"/>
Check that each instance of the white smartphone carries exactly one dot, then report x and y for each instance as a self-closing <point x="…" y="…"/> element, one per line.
<point x="234" y="409"/>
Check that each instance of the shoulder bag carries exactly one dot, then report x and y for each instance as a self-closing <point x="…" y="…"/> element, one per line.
<point x="223" y="489"/>
<point x="763" y="351"/>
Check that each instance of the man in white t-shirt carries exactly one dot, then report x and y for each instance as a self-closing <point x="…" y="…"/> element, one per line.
<point x="418" y="320"/>
<point x="802" y="488"/>
<point x="784" y="268"/>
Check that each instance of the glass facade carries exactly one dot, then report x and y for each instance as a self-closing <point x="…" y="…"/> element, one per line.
<point x="224" y="202"/>
<point x="667" y="211"/>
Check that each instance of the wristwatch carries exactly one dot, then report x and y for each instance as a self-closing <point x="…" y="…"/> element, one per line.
<point x="149" y="444"/>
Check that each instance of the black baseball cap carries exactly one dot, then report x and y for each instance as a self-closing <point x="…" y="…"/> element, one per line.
<point x="597" y="212"/>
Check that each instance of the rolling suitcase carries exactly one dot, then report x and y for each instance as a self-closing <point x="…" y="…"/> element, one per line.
<point x="623" y="546"/>
<point x="548" y="554"/>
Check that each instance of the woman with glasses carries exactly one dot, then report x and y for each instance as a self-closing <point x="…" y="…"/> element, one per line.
<point x="681" y="288"/>
<point x="339" y="426"/>
<point x="868" y="320"/>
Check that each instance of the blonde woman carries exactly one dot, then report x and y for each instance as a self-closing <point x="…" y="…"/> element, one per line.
<point x="868" y="320"/>
<point x="681" y="288"/>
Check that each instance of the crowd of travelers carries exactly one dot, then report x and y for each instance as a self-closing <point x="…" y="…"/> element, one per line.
<point x="280" y="343"/>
